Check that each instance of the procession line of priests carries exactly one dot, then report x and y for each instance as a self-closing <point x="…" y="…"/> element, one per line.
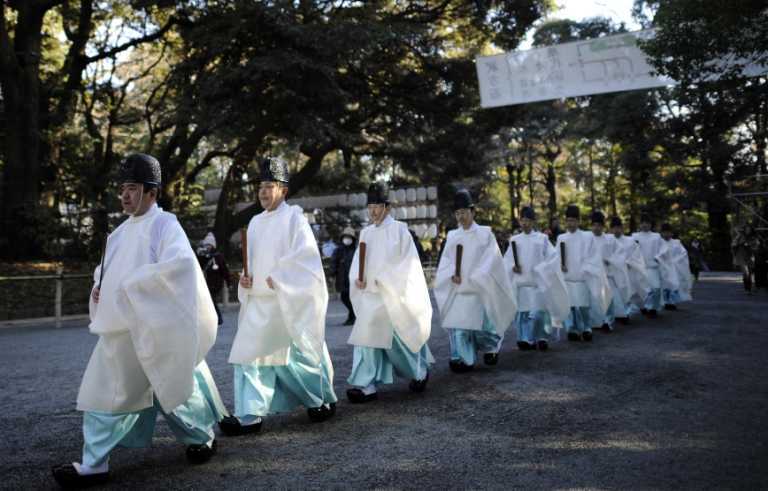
<point x="391" y="301"/>
<point x="156" y="321"/>
<point x="657" y="261"/>
<point x="680" y="269"/>
<point x="629" y="252"/>
<point x="538" y="285"/>
<point x="279" y="353"/>
<point x="616" y="271"/>
<point x="473" y="292"/>
<point x="589" y="292"/>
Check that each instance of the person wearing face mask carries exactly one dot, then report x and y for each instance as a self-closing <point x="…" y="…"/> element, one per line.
<point x="156" y="322"/>
<point x="476" y="302"/>
<point x="391" y="301"/>
<point x="341" y="262"/>
<point x="214" y="268"/>
<point x="280" y="357"/>
<point x="582" y="265"/>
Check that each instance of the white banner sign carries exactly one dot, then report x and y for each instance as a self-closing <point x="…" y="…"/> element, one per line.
<point x="594" y="66"/>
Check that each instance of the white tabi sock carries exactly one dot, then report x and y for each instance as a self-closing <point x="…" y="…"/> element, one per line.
<point x="371" y="389"/>
<point x="86" y="470"/>
<point x="250" y="420"/>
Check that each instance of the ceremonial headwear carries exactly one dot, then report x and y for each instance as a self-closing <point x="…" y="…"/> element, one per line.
<point x="572" y="212"/>
<point x="665" y="227"/>
<point x="209" y="240"/>
<point x="274" y="169"/>
<point x="598" y="217"/>
<point x="378" y="194"/>
<point x="616" y="222"/>
<point x="462" y="200"/>
<point x="140" y="168"/>
<point x="645" y="218"/>
<point x="528" y="212"/>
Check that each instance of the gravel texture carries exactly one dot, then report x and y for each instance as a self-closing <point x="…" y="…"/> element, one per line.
<point x="679" y="402"/>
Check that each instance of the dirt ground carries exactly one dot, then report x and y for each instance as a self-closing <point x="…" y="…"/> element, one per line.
<point x="679" y="402"/>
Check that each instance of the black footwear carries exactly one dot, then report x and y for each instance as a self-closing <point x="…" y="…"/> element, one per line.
<point x="231" y="426"/>
<point x="623" y="320"/>
<point x="67" y="477"/>
<point x="491" y="358"/>
<point x="644" y="311"/>
<point x="670" y="306"/>
<point x="357" y="396"/>
<point x="542" y="345"/>
<point x="200" y="454"/>
<point x="419" y="385"/>
<point x="322" y="413"/>
<point x="573" y="336"/>
<point x="458" y="366"/>
<point x="606" y="328"/>
<point x="652" y="314"/>
<point x="586" y="336"/>
<point x="524" y="346"/>
<point x="350" y="321"/>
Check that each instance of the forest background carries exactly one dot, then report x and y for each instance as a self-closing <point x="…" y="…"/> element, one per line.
<point x="351" y="91"/>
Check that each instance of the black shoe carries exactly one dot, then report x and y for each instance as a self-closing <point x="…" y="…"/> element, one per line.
<point x="231" y="426"/>
<point x="652" y="314"/>
<point x="491" y="358"/>
<point x="322" y="413"/>
<point x="524" y="346"/>
<point x="350" y="321"/>
<point x="542" y="345"/>
<point x="458" y="366"/>
<point x="606" y="328"/>
<point x="670" y="306"/>
<point x="586" y="336"/>
<point x="574" y="336"/>
<point x="67" y="477"/>
<point x="623" y="320"/>
<point x="419" y="385"/>
<point x="200" y="454"/>
<point x="357" y="396"/>
<point x="644" y="311"/>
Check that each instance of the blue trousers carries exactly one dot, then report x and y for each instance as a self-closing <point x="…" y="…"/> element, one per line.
<point x="192" y="423"/>
<point x="578" y="320"/>
<point x="378" y="365"/>
<point x="670" y="297"/>
<point x="465" y="343"/>
<point x="653" y="300"/>
<point x="533" y="326"/>
<point x="261" y="390"/>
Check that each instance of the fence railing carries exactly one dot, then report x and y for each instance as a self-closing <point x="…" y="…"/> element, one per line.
<point x="60" y="277"/>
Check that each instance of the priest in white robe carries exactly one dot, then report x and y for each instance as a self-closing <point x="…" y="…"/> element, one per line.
<point x="639" y="284"/>
<point x="582" y="265"/>
<point x="391" y="300"/>
<point x="474" y="295"/>
<point x="279" y="353"/>
<point x="533" y="266"/>
<point x="156" y="321"/>
<point x="656" y="254"/>
<point x="681" y="270"/>
<point x="616" y="272"/>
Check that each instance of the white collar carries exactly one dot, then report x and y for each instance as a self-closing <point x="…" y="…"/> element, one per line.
<point x="150" y="212"/>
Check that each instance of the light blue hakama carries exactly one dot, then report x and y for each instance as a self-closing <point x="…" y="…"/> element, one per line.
<point x="533" y="326"/>
<point x="192" y="423"/>
<point x="465" y="343"/>
<point x="578" y="320"/>
<point x="261" y="390"/>
<point x="375" y="366"/>
<point x="670" y="297"/>
<point x="653" y="300"/>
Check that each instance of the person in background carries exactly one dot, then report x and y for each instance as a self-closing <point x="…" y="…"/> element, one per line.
<point x="214" y="268"/>
<point x="696" y="256"/>
<point x="554" y="230"/>
<point x="419" y="247"/>
<point x="341" y="262"/>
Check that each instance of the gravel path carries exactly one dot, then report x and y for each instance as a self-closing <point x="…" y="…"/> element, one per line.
<point x="679" y="402"/>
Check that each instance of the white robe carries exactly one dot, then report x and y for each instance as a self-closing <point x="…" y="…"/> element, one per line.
<point x="396" y="295"/>
<point x="639" y="282"/>
<point x="281" y="246"/>
<point x="155" y="319"/>
<point x="615" y="264"/>
<point x="540" y="285"/>
<point x="678" y="257"/>
<point x="484" y="287"/>
<point x="587" y="283"/>
<point x="656" y="254"/>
